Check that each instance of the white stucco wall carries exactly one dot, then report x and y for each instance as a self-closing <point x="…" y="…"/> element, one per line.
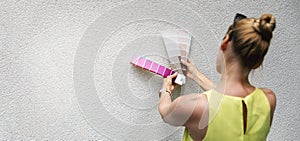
<point x="65" y="72"/>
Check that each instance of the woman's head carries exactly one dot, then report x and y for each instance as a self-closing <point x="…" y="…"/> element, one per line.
<point x="249" y="39"/>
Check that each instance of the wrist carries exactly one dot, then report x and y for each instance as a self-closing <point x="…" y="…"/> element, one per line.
<point x="163" y="90"/>
<point x="200" y="77"/>
<point x="166" y="87"/>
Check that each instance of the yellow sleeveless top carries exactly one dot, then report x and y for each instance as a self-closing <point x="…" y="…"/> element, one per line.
<point x="226" y="117"/>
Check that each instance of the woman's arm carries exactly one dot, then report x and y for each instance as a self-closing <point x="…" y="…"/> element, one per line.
<point x="165" y="102"/>
<point x="183" y="110"/>
<point x="193" y="73"/>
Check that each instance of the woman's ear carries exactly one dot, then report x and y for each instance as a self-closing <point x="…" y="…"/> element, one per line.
<point x="225" y="42"/>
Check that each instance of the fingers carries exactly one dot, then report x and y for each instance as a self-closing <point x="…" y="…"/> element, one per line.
<point x="167" y="82"/>
<point x="172" y="87"/>
<point x="184" y="62"/>
<point x="189" y="61"/>
<point x="173" y="75"/>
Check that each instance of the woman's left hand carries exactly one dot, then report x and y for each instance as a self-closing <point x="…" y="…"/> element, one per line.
<point x="167" y="82"/>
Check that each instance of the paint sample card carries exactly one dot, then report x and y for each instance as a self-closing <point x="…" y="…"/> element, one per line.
<point x="156" y="68"/>
<point x="174" y="59"/>
<point x="151" y="66"/>
<point x="177" y="43"/>
<point x="177" y="67"/>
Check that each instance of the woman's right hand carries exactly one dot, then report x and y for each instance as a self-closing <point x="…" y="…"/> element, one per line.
<point x="191" y="69"/>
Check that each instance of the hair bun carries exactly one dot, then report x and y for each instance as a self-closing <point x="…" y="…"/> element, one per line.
<point x="267" y="25"/>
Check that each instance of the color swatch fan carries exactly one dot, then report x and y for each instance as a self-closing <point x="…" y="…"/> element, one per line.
<point x="177" y="43"/>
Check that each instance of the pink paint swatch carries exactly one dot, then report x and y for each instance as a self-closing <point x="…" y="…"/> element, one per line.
<point x="151" y="66"/>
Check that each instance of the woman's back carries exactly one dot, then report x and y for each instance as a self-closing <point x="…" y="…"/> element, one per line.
<point x="236" y="118"/>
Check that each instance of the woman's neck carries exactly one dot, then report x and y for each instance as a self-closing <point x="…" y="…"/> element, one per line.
<point x="234" y="76"/>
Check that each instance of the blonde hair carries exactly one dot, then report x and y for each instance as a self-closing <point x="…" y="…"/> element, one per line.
<point x="251" y="39"/>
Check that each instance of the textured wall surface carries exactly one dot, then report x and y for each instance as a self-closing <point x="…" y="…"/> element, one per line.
<point x="65" y="72"/>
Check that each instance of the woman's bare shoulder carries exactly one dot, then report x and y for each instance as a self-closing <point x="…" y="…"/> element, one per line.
<point x="270" y="96"/>
<point x="269" y="93"/>
<point x="272" y="100"/>
<point x="197" y="101"/>
<point x="198" y="104"/>
<point x="195" y="97"/>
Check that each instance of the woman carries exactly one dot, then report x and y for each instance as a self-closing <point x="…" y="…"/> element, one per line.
<point x="233" y="109"/>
